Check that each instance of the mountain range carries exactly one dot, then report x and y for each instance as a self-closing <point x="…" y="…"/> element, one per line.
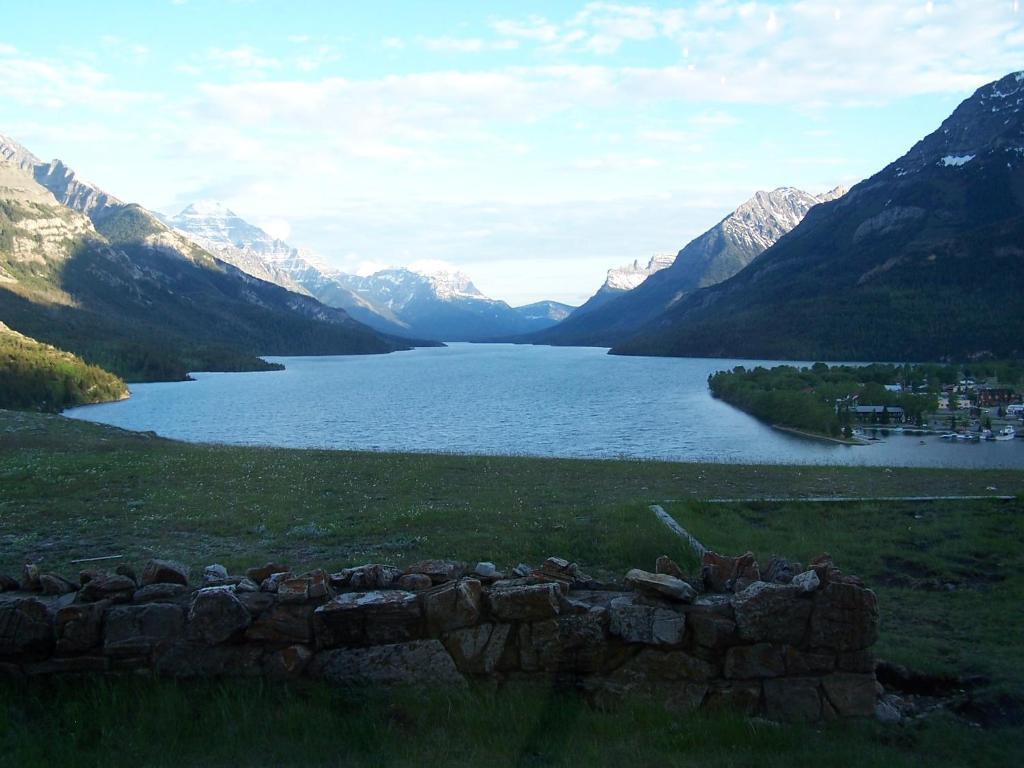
<point x="440" y="305"/>
<point x="107" y="280"/>
<point x="924" y="260"/>
<point x="634" y="296"/>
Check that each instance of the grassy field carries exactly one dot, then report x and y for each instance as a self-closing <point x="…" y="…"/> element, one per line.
<point x="947" y="573"/>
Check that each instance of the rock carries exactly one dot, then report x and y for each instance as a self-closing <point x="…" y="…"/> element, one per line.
<point x="453" y="605"/>
<point x="661" y="585"/>
<point x="283" y="625"/>
<point x="26" y="627"/>
<point x="710" y="630"/>
<point x="216" y="615"/>
<point x="414" y="582"/>
<point x="259" y="575"/>
<point x="294" y="590"/>
<point x="367" y="577"/>
<point x="30" y="577"/>
<point x="560" y="569"/>
<point x="676" y="679"/>
<point x="780" y="571"/>
<point x="417" y="663"/>
<point x="887" y="710"/>
<point x="856" y="661"/>
<point x="851" y="695"/>
<point x="845" y="617"/>
<point x="754" y="661"/>
<point x="78" y="627"/>
<point x="792" y="699"/>
<point x="256" y="602"/>
<point x="127" y="571"/>
<point x="522" y="571"/>
<point x="800" y="662"/>
<point x="774" y="613"/>
<point x="246" y="585"/>
<point x="524" y="603"/>
<point x="667" y="566"/>
<point x="638" y="623"/>
<point x="136" y="630"/>
<point x="52" y="584"/>
<point x="319" y="584"/>
<point x="478" y="650"/>
<point x="576" y="643"/>
<point x="808" y="581"/>
<point x="154" y="593"/>
<point x="165" y="572"/>
<point x="485" y="569"/>
<point x="74" y="665"/>
<point x="215" y="572"/>
<point x="8" y="584"/>
<point x="272" y="582"/>
<point x="721" y="572"/>
<point x="367" y="618"/>
<point x="184" y="660"/>
<point x="287" y="663"/>
<point x="438" y="570"/>
<point x="105" y="586"/>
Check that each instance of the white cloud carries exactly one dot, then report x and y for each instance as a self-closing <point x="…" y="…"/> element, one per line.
<point x="454" y="44"/>
<point x="243" y="57"/>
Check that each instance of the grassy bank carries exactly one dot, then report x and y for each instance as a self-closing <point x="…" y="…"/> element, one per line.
<point x="947" y="573"/>
<point x="72" y="490"/>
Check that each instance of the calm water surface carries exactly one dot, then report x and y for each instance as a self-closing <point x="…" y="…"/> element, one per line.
<point x="500" y="399"/>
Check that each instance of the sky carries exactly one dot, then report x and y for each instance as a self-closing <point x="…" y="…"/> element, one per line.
<point x="531" y="145"/>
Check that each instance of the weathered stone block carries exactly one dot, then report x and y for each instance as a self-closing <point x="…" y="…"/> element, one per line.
<point x="365" y="618"/>
<point x="295" y="590"/>
<point x="78" y="626"/>
<point x="414" y="582"/>
<point x="711" y="630"/>
<point x="478" y="650"/>
<point x="287" y="663"/>
<point x="637" y="623"/>
<point x="216" y="615"/>
<point x="156" y="593"/>
<point x="524" y="603"/>
<point x="26" y="627"/>
<point x="259" y="575"/>
<point x="136" y="630"/>
<point x="80" y="665"/>
<point x="661" y="585"/>
<point x="283" y="625"/>
<point x="367" y="577"/>
<point x="852" y="695"/>
<point x="665" y="564"/>
<point x="800" y="662"/>
<point x="165" y="572"/>
<point x="420" y="662"/>
<point x="188" y="659"/>
<point x="105" y="586"/>
<point x="674" y="678"/>
<point x="776" y="613"/>
<point x="845" y="617"/>
<point x="577" y="643"/>
<point x="856" y="661"/>
<point x="438" y="570"/>
<point x="721" y="572"/>
<point x="792" y="699"/>
<point x="754" y="661"/>
<point x="453" y="605"/>
<point x="52" y="584"/>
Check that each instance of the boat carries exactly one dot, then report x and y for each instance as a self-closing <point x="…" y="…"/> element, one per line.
<point x="1006" y="433"/>
<point x="987" y="434"/>
<point x="950" y="436"/>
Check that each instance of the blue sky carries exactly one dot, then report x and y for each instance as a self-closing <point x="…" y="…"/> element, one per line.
<point x="532" y="145"/>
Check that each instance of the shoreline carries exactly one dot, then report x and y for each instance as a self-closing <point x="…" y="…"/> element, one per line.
<point x="816" y="436"/>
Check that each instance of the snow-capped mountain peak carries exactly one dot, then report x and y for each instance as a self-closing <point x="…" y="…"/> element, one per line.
<point x="629" y="276"/>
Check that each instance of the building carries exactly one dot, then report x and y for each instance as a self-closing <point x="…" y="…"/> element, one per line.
<point x="878" y="414"/>
<point x="988" y="396"/>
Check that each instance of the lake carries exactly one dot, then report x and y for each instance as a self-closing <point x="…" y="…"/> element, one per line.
<point x="502" y="399"/>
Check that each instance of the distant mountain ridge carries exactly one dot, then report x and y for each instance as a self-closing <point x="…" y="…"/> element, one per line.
<point x="924" y="260"/>
<point x="611" y="317"/>
<point x="442" y="305"/>
<point x="106" y="280"/>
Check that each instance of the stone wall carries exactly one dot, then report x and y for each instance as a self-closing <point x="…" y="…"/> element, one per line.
<point x="784" y="644"/>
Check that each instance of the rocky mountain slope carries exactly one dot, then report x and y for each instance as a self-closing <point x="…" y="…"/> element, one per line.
<point x="620" y="280"/>
<point x="610" y="317"/>
<point x="108" y="281"/>
<point x="922" y="261"/>
<point x="545" y="314"/>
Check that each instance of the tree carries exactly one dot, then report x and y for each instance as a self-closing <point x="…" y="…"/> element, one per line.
<point x="954" y="402"/>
